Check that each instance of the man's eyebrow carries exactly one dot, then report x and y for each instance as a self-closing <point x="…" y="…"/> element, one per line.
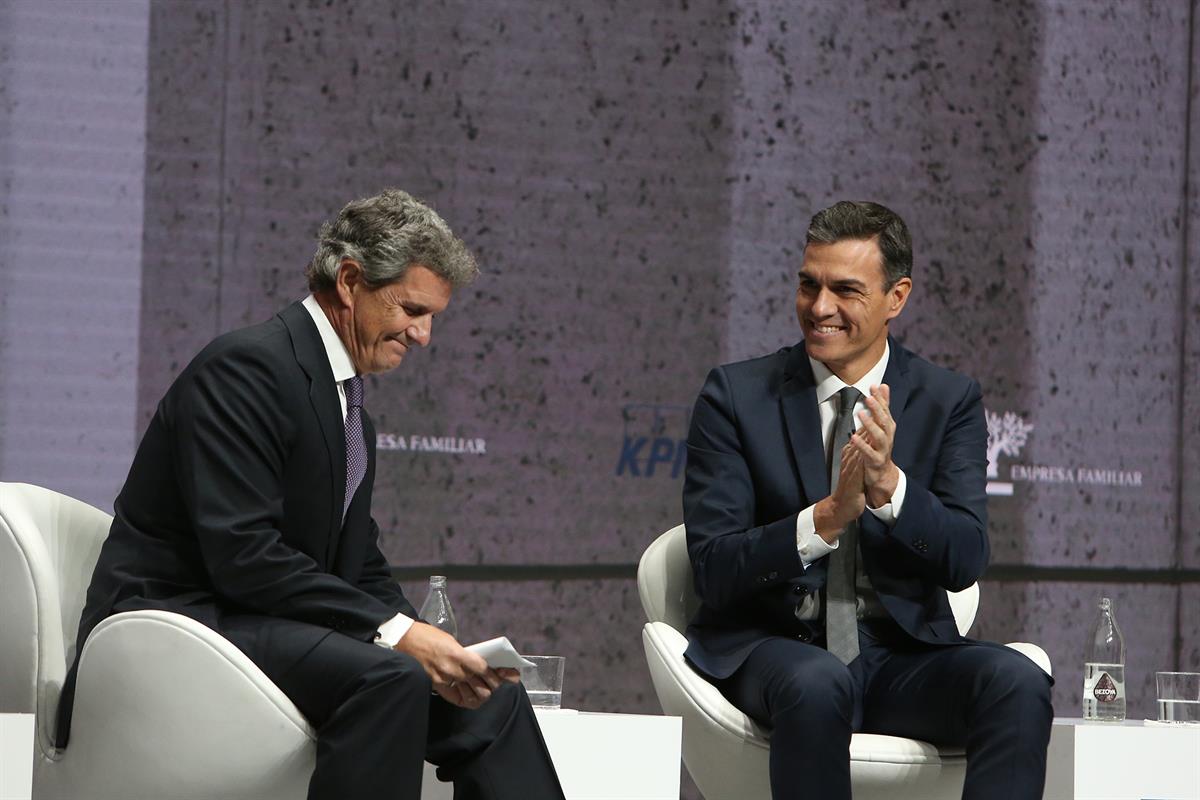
<point x="851" y="283"/>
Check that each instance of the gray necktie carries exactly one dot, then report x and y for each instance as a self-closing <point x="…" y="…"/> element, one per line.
<point x="356" y="447"/>
<point x="841" y="620"/>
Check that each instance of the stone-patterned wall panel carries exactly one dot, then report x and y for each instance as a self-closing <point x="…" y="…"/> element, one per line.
<point x="72" y="102"/>
<point x="926" y="108"/>
<point x="1103" y="306"/>
<point x="589" y="177"/>
<point x="1189" y="629"/>
<point x="183" y="207"/>
<point x="1189" y="301"/>
<point x="579" y="150"/>
<point x="1059" y="617"/>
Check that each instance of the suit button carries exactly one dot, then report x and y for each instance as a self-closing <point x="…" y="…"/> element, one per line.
<point x="804" y="637"/>
<point x="773" y="576"/>
<point x="800" y="590"/>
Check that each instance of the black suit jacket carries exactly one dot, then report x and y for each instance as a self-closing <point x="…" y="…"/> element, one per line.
<point x="756" y="459"/>
<point x="234" y="501"/>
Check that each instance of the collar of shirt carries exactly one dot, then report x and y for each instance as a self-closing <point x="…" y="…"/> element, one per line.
<point x="829" y="384"/>
<point x="335" y="350"/>
<point x="339" y="356"/>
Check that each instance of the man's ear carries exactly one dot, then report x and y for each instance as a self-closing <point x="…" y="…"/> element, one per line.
<point x="898" y="296"/>
<point x="349" y="280"/>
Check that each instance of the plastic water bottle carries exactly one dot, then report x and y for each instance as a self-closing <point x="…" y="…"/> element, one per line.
<point x="1104" y="670"/>
<point x="436" y="609"/>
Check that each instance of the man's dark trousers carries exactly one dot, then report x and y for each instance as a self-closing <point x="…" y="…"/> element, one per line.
<point x="372" y="705"/>
<point x="976" y="695"/>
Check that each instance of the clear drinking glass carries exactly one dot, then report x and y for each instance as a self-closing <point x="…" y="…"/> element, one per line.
<point x="544" y="681"/>
<point x="1178" y="696"/>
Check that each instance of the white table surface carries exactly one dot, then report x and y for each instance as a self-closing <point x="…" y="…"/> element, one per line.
<point x="1130" y="760"/>
<point x="16" y="756"/>
<point x="603" y="756"/>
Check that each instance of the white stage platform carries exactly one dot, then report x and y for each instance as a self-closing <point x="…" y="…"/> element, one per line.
<point x="604" y="756"/>
<point x="598" y="756"/>
<point x="16" y="756"/>
<point x="1131" y="760"/>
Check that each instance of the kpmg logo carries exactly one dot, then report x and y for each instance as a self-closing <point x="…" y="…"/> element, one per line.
<point x="1009" y="432"/>
<point x="655" y="441"/>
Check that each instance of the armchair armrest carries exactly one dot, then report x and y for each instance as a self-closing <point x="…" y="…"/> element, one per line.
<point x="682" y="692"/>
<point x="152" y="683"/>
<point x="1035" y="654"/>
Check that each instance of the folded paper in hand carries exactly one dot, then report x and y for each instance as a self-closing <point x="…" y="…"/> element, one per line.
<point x="499" y="652"/>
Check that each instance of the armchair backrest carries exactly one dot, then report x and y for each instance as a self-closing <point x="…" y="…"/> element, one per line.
<point x="664" y="579"/>
<point x="49" y="544"/>
<point x="668" y="594"/>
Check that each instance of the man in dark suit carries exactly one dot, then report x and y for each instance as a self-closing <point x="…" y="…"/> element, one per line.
<point x="248" y="508"/>
<point x="824" y="611"/>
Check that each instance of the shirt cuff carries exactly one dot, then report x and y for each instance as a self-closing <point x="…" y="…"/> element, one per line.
<point x="391" y="632"/>
<point x="809" y="545"/>
<point x="889" y="512"/>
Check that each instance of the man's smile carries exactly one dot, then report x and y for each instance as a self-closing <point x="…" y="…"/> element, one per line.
<point x="825" y="329"/>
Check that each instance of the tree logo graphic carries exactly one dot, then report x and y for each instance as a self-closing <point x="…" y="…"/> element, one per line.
<point x="1007" y="434"/>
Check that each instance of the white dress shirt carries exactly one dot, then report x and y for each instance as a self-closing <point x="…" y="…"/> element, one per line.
<point x="808" y="543"/>
<point x="340" y="362"/>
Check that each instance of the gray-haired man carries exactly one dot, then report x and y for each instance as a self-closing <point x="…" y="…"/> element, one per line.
<point x="248" y="508"/>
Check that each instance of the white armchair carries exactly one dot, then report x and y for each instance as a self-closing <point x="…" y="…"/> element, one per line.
<point x="724" y="750"/>
<point x="164" y="706"/>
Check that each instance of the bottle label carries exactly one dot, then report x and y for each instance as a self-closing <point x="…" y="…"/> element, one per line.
<point x="1104" y="683"/>
<point x="1106" y="690"/>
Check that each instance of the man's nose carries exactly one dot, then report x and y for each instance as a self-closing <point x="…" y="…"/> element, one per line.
<point x="421" y="330"/>
<point x="823" y="305"/>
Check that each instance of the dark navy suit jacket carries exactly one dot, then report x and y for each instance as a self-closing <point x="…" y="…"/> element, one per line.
<point x="234" y="501"/>
<point x="756" y="459"/>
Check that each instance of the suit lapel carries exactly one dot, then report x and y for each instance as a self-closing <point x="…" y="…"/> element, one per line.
<point x="871" y="530"/>
<point x="896" y="378"/>
<point x="322" y="393"/>
<point x="798" y="397"/>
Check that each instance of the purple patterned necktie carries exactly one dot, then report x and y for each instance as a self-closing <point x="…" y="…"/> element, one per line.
<point x="356" y="447"/>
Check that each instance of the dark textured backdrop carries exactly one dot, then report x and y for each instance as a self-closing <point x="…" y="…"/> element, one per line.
<point x="636" y="179"/>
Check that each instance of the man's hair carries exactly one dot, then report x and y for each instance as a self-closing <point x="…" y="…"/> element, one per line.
<point x="386" y="234"/>
<point x="848" y="219"/>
